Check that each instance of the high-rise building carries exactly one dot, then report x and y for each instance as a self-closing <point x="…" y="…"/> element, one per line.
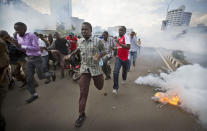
<point x="61" y="10"/>
<point x="9" y="1"/>
<point x="177" y="17"/>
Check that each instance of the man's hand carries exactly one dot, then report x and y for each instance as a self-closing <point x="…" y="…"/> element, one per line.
<point x="117" y="41"/>
<point x="96" y="57"/>
<point x="67" y="57"/>
<point x="112" y="48"/>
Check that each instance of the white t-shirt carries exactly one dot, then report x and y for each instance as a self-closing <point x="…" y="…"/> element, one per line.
<point x="42" y="44"/>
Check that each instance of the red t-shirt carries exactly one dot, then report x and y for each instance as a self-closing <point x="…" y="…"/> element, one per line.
<point x="72" y="41"/>
<point x="122" y="53"/>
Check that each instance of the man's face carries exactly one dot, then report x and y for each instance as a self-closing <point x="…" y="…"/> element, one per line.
<point x="121" y="31"/>
<point x="20" y="30"/>
<point x="56" y="35"/>
<point x="85" y="31"/>
<point x="132" y="34"/>
<point x="71" y="36"/>
<point x="105" y="36"/>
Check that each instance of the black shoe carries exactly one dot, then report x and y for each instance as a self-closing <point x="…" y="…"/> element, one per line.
<point x="80" y="120"/>
<point x="2" y="124"/>
<point x="47" y="81"/>
<point x="32" y="99"/>
<point x="11" y="84"/>
<point x="53" y="76"/>
<point x="108" y="78"/>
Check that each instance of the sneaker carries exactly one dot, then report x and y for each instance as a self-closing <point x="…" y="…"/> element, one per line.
<point x="53" y="76"/>
<point x="115" y="92"/>
<point x="31" y="99"/>
<point x="80" y="120"/>
<point x="123" y="82"/>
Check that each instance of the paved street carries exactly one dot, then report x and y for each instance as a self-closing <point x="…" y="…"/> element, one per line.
<point x="132" y="110"/>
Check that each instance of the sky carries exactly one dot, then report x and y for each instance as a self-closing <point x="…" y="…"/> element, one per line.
<point x="141" y="15"/>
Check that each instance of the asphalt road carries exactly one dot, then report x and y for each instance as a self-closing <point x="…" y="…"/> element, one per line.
<point x="132" y="110"/>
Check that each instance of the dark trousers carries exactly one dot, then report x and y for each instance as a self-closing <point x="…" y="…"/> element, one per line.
<point x="118" y="64"/>
<point x="59" y="57"/>
<point x="45" y="65"/>
<point x="35" y="63"/>
<point x="84" y="83"/>
<point x="2" y="119"/>
<point x="106" y="67"/>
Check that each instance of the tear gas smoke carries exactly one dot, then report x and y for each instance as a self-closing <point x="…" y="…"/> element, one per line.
<point x="189" y="83"/>
<point x="34" y="20"/>
<point x="190" y="40"/>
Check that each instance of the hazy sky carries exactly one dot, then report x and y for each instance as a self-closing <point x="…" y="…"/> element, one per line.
<point x="140" y="15"/>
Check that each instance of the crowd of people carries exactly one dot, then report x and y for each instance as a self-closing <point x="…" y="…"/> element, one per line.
<point x="26" y="53"/>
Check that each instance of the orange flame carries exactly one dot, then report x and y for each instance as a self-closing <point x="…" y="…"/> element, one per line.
<point x="165" y="98"/>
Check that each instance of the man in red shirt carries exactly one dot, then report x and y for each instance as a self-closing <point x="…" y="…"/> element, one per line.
<point x="123" y="46"/>
<point x="72" y="40"/>
<point x="73" y="44"/>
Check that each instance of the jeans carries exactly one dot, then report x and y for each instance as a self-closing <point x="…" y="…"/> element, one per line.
<point x="118" y="64"/>
<point x="133" y="57"/>
<point x="35" y="63"/>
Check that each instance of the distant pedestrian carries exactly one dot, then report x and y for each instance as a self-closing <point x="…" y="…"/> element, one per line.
<point x="133" y="49"/>
<point x="139" y="45"/>
<point x="91" y="50"/>
<point x="123" y="46"/>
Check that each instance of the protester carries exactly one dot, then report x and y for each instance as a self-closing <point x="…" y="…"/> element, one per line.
<point x="16" y="57"/>
<point x="123" y="46"/>
<point x="59" y="49"/>
<point x="73" y="44"/>
<point x="109" y="43"/>
<point x="28" y="42"/>
<point x="44" y="54"/>
<point x="4" y="80"/>
<point x="72" y="40"/>
<point x="91" y="50"/>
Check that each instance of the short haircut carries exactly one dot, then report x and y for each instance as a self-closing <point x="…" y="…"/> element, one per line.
<point x="3" y="32"/>
<point x="88" y="24"/>
<point x="124" y="28"/>
<point x="106" y="32"/>
<point x="20" y="24"/>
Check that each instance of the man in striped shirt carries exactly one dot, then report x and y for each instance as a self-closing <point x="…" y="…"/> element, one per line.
<point x="109" y="44"/>
<point x="91" y="50"/>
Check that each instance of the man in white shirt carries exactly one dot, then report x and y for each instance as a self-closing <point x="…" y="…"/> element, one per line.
<point x="44" y="54"/>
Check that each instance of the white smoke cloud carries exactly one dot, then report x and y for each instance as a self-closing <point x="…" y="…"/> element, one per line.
<point x="193" y="41"/>
<point x="34" y="20"/>
<point x="189" y="83"/>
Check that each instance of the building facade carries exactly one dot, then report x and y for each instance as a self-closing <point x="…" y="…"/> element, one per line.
<point x="177" y="17"/>
<point x="61" y="10"/>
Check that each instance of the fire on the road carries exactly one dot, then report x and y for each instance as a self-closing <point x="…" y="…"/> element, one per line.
<point x="166" y="98"/>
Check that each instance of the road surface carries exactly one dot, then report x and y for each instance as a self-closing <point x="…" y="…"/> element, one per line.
<point x="132" y="110"/>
